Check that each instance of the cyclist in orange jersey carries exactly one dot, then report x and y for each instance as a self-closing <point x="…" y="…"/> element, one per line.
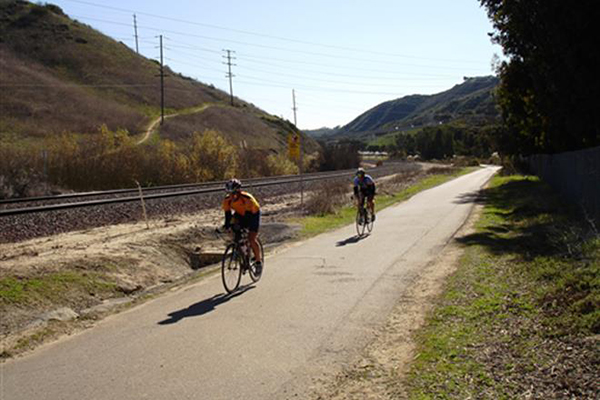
<point x="247" y="214"/>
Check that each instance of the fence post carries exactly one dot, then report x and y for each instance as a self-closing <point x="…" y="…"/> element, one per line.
<point x="143" y="205"/>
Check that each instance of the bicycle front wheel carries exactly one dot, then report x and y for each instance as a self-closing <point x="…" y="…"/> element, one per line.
<point x="360" y="222"/>
<point x="369" y="221"/>
<point x="231" y="269"/>
<point x="255" y="273"/>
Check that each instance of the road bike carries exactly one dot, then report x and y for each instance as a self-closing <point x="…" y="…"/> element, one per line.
<point x="364" y="217"/>
<point x="237" y="261"/>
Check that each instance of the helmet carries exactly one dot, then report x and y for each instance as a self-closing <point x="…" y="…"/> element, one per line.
<point x="360" y="172"/>
<point x="233" y="186"/>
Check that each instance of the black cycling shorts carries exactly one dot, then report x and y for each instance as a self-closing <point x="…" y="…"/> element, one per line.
<point x="368" y="193"/>
<point x="249" y="220"/>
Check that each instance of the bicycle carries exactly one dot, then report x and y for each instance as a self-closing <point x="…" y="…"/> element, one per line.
<point x="364" y="217"/>
<point x="236" y="260"/>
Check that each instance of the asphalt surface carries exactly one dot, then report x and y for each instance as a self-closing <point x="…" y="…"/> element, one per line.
<point x="318" y="304"/>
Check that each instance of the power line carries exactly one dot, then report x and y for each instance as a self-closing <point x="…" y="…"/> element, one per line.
<point x="328" y="80"/>
<point x="273" y="47"/>
<point x="428" y="77"/>
<point x="312" y="72"/>
<point x="271" y="36"/>
<point x="249" y="58"/>
<point x="253" y="59"/>
<point x="313" y="88"/>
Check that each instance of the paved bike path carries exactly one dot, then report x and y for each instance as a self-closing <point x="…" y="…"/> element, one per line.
<point x="317" y="305"/>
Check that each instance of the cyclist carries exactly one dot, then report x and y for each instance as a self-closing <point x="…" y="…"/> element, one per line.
<point x="366" y="185"/>
<point x="247" y="214"/>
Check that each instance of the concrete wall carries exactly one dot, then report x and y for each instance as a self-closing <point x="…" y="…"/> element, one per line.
<point x="575" y="175"/>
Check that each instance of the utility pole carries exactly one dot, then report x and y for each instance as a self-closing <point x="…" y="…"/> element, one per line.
<point x="162" y="84"/>
<point x="300" y="142"/>
<point x="137" y="48"/>
<point x="229" y="74"/>
<point x="294" y="105"/>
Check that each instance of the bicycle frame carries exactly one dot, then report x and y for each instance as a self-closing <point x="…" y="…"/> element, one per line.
<point x="238" y="253"/>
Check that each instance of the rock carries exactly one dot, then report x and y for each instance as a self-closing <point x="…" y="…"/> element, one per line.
<point x="107" y="305"/>
<point x="61" y="314"/>
<point x="127" y="287"/>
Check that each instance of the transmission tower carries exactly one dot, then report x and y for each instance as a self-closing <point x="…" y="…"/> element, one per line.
<point x="229" y="74"/>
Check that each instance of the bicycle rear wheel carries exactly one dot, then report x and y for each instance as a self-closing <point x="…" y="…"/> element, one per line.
<point x="231" y="269"/>
<point x="254" y="273"/>
<point x="360" y="222"/>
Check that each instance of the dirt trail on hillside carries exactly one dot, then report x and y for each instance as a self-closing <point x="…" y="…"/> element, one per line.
<point x="153" y="124"/>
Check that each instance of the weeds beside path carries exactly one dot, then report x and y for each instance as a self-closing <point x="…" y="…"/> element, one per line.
<point x="521" y="317"/>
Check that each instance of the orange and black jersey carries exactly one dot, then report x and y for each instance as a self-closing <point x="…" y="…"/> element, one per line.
<point x="243" y="204"/>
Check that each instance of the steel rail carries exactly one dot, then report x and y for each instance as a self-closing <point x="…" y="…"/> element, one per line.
<point x="64" y="206"/>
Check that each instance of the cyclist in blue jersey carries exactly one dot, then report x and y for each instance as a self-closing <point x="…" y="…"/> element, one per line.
<point x="364" y="184"/>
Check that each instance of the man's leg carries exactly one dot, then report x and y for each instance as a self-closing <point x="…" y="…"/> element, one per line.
<point x="253" y="224"/>
<point x="371" y="204"/>
<point x="254" y="244"/>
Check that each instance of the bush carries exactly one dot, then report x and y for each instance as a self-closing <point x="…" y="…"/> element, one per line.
<point x="513" y="165"/>
<point x="339" y="156"/>
<point x="328" y="198"/>
<point x="20" y="171"/>
<point x="212" y="157"/>
<point x="463" y="161"/>
<point x="281" y="165"/>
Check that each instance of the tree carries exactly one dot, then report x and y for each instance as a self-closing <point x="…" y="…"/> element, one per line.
<point x="343" y="155"/>
<point x="549" y="86"/>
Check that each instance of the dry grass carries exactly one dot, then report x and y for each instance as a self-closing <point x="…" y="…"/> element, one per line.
<point x="242" y="128"/>
<point x="57" y="55"/>
<point x="328" y="198"/>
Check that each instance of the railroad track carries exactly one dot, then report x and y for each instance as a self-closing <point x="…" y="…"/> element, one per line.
<point x="72" y="200"/>
<point x="26" y="218"/>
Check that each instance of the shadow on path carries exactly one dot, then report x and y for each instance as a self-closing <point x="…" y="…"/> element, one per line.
<point x="351" y="240"/>
<point x="204" y="306"/>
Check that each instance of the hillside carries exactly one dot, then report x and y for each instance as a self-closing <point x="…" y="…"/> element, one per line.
<point x="321" y="132"/>
<point x="59" y="75"/>
<point x="242" y="128"/>
<point x="470" y="101"/>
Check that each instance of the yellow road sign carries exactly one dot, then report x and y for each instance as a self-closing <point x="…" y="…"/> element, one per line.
<point x="294" y="146"/>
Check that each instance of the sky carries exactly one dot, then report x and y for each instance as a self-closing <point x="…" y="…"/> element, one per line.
<point x="340" y="58"/>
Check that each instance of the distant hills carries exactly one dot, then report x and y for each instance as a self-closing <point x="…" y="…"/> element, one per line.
<point x="470" y="102"/>
<point x="59" y="75"/>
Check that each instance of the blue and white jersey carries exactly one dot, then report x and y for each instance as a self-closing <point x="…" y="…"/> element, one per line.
<point x="365" y="183"/>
